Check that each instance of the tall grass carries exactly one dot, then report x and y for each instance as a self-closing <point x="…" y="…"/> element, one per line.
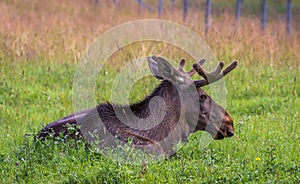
<point x="61" y="31"/>
<point x="40" y="44"/>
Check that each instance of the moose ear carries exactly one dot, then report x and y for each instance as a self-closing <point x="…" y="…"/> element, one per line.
<point x="153" y="65"/>
<point x="162" y="69"/>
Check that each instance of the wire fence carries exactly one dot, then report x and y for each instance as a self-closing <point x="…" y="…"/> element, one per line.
<point x="208" y="3"/>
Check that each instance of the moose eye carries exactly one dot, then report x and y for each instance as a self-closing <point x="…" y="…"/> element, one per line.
<point x="203" y="97"/>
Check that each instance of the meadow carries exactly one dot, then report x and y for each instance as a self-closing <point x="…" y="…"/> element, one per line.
<point x="41" y="44"/>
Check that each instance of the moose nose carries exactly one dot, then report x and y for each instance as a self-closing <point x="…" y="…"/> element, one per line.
<point x="229" y="133"/>
<point x="229" y="129"/>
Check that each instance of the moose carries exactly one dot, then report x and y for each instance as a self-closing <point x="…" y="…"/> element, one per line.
<point x="177" y="107"/>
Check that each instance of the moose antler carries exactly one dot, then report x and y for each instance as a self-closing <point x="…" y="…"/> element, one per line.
<point x="192" y="71"/>
<point x="210" y="77"/>
<point x="167" y="72"/>
<point x="180" y="68"/>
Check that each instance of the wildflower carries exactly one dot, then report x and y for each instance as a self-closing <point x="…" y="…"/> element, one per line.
<point x="257" y="159"/>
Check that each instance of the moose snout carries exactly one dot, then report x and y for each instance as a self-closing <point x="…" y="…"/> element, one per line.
<point x="229" y="133"/>
<point x="228" y="124"/>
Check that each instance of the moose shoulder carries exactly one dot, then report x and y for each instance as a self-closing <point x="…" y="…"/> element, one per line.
<point x="176" y="108"/>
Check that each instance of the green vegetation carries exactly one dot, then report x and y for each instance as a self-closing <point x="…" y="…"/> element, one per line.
<point x="37" y="64"/>
<point x="264" y="104"/>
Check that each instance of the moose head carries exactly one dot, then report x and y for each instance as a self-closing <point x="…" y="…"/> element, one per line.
<point x="212" y="118"/>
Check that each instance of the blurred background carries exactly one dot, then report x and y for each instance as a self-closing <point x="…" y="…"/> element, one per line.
<point x="62" y="30"/>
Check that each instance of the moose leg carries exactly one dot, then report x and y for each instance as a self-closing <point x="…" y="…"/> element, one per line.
<point x="66" y="127"/>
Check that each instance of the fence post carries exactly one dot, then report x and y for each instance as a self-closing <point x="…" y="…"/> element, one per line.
<point x="238" y="7"/>
<point x="185" y="9"/>
<point x="264" y="15"/>
<point x="140" y="5"/>
<point x="172" y="3"/>
<point x="143" y="5"/>
<point x="288" y="16"/>
<point x="207" y="15"/>
<point x="115" y="2"/>
<point x="159" y="7"/>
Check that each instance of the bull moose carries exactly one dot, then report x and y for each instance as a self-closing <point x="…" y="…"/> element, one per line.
<point x="176" y="108"/>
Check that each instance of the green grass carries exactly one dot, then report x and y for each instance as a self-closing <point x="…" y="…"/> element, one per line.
<point x="263" y="102"/>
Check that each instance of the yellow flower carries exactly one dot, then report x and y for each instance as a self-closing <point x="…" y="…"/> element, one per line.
<point x="257" y="159"/>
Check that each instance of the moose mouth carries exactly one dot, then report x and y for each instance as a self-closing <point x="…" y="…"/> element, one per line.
<point x="222" y="134"/>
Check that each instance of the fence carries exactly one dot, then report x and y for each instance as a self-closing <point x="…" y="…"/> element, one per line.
<point x="238" y="11"/>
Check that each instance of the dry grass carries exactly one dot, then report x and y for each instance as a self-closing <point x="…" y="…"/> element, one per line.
<point x="60" y="31"/>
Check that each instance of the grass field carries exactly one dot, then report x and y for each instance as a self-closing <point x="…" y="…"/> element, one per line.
<point x="40" y="46"/>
